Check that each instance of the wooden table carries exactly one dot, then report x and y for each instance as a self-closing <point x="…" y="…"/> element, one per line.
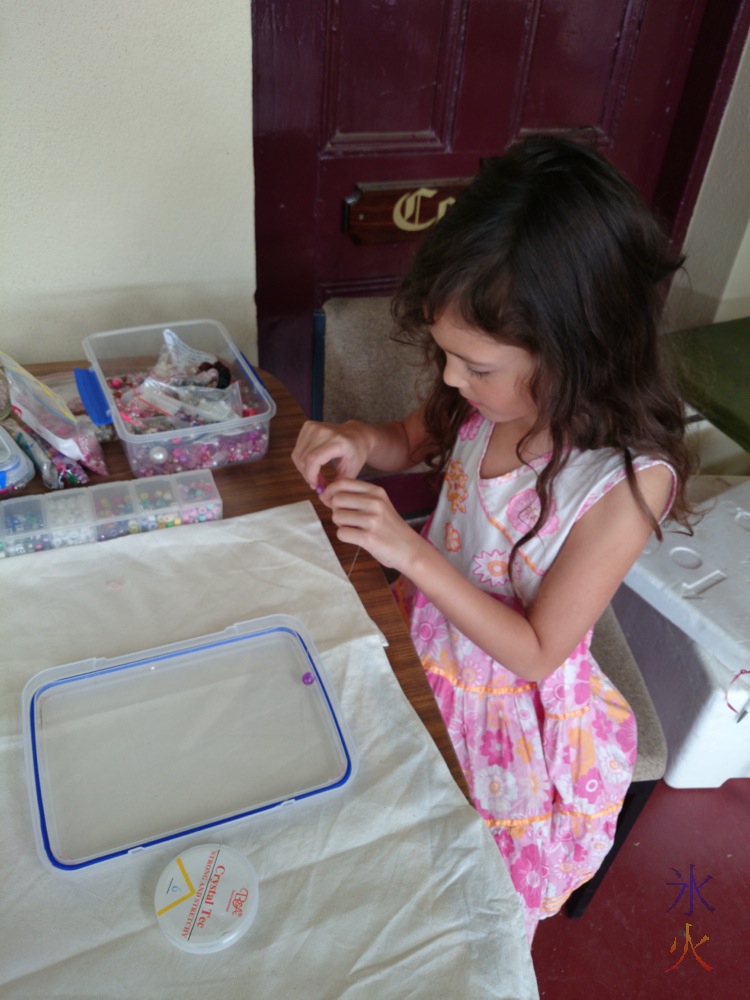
<point x="273" y="481"/>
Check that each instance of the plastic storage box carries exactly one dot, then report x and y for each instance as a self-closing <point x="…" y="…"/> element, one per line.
<point x="16" y="469"/>
<point x="121" y="356"/>
<point x="110" y="510"/>
<point x="129" y="752"/>
<point x="684" y="609"/>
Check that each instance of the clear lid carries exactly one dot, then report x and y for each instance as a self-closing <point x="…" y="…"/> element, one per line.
<point x="206" y="898"/>
<point x="133" y="751"/>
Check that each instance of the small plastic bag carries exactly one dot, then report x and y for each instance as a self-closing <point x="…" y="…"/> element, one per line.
<point x="191" y="404"/>
<point x="49" y="416"/>
<point x="57" y="470"/>
<point x="65" y="385"/>
<point x="185" y="388"/>
<point x="180" y="364"/>
<point x="178" y="360"/>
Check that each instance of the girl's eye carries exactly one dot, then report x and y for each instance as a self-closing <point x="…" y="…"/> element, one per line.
<point x="475" y="374"/>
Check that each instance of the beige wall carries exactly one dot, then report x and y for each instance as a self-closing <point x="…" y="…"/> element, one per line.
<point x="127" y="183"/>
<point x="717" y="284"/>
<point x="126" y="169"/>
<point x="735" y="301"/>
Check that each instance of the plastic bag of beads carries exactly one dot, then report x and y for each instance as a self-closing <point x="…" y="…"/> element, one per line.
<point x="185" y="388"/>
<point x="48" y="415"/>
<point x="179" y="364"/>
<point x="190" y="405"/>
<point x="178" y="358"/>
<point x="65" y="385"/>
<point x="151" y="406"/>
<point x="57" y="470"/>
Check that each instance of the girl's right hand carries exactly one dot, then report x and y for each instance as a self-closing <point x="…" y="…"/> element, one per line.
<point x="318" y="444"/>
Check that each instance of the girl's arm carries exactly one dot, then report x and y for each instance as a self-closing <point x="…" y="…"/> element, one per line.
<point x="390" y="447"/>
<point x="592" y="563"/>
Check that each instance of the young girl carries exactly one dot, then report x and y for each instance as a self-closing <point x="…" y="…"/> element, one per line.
<point x="537" y="300"/>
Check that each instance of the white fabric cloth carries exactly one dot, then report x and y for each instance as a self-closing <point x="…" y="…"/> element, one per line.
<point x="390" y="888"/>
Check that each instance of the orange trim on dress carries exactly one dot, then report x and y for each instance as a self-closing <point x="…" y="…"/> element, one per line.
<point x="526" y="820"/>
<point x="575" y="713"/>
<point x="450" y="676"/>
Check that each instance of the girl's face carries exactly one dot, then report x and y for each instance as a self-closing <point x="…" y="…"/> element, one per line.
<point x="493" y="377"/>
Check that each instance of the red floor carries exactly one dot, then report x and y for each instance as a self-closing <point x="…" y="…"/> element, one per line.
<point x="620" y="948"/>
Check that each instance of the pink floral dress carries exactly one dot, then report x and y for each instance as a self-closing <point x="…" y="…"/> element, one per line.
<point x="547" y="764"/>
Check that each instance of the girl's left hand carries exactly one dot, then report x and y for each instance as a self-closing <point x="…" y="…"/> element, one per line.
<point x="365" y="516"/>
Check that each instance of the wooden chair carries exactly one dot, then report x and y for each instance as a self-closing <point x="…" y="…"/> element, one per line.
<point x="361" y="373"/>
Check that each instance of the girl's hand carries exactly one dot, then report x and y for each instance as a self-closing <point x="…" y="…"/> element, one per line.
<point x="390" y="447"/>
<point x="365" y="516"/>
<point x="318" y="444"/>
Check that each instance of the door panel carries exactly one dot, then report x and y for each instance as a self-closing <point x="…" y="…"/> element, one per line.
<point x="404" y="35"/>
<point x="351" y="92"/>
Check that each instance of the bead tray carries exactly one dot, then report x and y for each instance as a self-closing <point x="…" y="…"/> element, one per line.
<point x="110" y="510"/>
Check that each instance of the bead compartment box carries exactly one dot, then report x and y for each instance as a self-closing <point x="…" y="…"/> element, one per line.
<point x="117" y="355"/>
<point x="23" y="526"/>
<point x="69" y="518"/>
<point x="110" y="510"/>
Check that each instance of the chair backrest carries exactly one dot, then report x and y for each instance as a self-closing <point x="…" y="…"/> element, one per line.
<point x="613" y="654"/>
<point x="366" y="375"/>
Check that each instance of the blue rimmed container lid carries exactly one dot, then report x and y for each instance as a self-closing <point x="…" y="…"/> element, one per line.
<point x="133" y="751"/>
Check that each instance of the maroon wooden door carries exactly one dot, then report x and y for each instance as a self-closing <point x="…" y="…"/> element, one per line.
<point x="352" y="93"/>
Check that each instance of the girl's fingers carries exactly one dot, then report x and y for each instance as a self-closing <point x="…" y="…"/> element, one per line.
<point x="359" y="505"/>
<point x="319" y="445"/>
<point x="364" y="516"/>
<point x="356" y="487"/>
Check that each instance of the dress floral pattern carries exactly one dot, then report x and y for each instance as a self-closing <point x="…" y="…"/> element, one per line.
<point x="547" y="764"/>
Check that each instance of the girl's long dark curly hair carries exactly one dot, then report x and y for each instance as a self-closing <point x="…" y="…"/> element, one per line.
<point x="551" y="249"/>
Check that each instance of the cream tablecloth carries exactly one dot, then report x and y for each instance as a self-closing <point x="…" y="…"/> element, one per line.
<point x="392" y="888"/>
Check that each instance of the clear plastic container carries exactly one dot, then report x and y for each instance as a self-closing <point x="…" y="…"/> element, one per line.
<point x="133" y="751"/>
<point x="108" y="510"/>
<point x="115" y="511"/>
<point x="70" y="517"/>
<point x="24" y="526"/>
<point x="157" y="503"/>
<point x="116" y="355"/>
<point x="16" y="469"/>
<point x="198" y="498"/>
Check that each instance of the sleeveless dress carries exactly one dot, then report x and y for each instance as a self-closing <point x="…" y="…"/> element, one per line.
<point x="547" y="763"/>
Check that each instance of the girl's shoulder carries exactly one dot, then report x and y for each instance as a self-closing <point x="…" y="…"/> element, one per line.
<point x="595" y="473"/>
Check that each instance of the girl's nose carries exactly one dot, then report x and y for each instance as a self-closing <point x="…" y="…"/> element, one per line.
<point x="453" y="373"/>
